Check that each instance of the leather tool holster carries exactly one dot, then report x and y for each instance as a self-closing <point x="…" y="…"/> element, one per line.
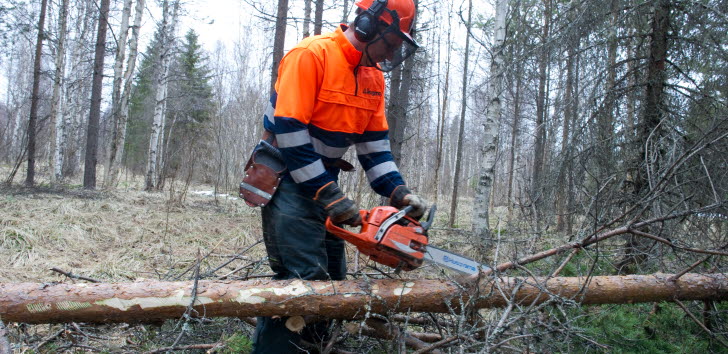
<point x="262" y="174"/>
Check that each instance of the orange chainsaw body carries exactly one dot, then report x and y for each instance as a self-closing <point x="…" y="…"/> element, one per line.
<point x="403" y="244"/>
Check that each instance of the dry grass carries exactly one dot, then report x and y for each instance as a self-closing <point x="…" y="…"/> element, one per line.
<point x="128" y="235"/>
<point x="116" y="236"/>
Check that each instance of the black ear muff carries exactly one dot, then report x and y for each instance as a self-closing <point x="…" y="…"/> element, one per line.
<point x="366" y="22"/>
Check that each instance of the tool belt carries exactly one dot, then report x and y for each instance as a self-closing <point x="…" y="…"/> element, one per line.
<point x="262" y="173"/>
<point x="265" y="168"/>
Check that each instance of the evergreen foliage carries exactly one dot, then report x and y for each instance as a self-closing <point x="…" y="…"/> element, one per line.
<point x="640" y="328"/>
<point x="189" y="106"/>
<point x="141" y="107"/>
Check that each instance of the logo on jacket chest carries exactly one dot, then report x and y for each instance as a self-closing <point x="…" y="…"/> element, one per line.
<point x="367" y="91"/>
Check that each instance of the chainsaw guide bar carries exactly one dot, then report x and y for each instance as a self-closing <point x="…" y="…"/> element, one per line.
<point x="390" y="237"/>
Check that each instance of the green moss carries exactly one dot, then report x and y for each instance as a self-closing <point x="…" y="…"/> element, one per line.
<point x="238" y="343"/>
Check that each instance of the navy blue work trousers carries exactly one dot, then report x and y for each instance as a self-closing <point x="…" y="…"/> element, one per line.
<point x="298" y="247"/>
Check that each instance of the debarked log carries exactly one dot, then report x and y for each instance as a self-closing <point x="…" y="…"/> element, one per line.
<point x="157" y="301"/>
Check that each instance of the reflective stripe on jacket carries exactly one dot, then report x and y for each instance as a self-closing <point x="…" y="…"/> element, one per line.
<point x="324" y="103"/>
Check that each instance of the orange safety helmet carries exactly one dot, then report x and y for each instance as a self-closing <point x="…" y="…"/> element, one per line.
<point x="405" y="11"/>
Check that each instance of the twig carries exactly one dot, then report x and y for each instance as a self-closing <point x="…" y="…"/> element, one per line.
<point x="4" y="342"/>
<point x="196" y="265"/>
<point x="332" y="341"/>
<point x="565" y="262"/>
<point x="671" y="244"/>
<point x="501" y="343"/>
<point x="232" y="259"/>
<point x="80" y="331"/>
<point x="74" y="276"/>
<point x="49" y="338"/>
<point x="248" y="265"/>
<point x="193" y="295"/>
<point x="186" y="347"/>
<point x="73" y="345"/>
<point x="697" y="321"/>
<point x="691" y="267"/>
<point x="377" y="328"/>
<point x="594" y="238"/>
<point x="436" y="345"/>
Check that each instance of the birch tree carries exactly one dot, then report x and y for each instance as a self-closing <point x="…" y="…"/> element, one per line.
<point x="161" y="82"/>
<point x="117" y="92"/>
<point x="481" y="228"/>
<point x="59" y="140"/>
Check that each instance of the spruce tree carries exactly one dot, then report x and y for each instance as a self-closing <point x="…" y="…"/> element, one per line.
<point x="141" y="108"/>
<point x="190" y="108"/>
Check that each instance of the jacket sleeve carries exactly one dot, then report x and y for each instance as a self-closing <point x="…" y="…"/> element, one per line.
<point x="299" y="77"/>
<point x="375" y="155"/>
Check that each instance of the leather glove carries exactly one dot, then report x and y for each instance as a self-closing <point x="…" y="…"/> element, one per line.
<point x="402" y="197"/>
<point x="340" y="209"/>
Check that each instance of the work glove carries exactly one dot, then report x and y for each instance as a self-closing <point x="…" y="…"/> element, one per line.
<point x="340" y="209"/>
<point x="402" y="197"/>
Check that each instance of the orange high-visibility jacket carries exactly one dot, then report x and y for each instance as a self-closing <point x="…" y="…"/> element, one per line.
<point x="324" y="102"/>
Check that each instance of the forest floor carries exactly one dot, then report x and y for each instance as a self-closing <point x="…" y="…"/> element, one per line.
<point x="123" y="235"/>
<point x="127" y="235"/>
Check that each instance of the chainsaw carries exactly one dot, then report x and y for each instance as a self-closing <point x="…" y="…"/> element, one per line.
<point x="390" y="237"/>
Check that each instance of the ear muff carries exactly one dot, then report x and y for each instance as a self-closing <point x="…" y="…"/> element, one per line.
<point x="366" y="22"/>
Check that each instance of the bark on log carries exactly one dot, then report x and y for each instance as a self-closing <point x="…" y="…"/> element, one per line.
<point x="155" y="301"/>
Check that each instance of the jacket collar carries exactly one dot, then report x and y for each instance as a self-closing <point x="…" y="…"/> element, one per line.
<point x="353" y="56"/>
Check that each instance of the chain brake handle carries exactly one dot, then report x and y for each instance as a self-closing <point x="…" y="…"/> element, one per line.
<point x="430" y="218"/>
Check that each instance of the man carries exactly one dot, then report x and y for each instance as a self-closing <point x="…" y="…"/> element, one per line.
<point x="329" y="96"/>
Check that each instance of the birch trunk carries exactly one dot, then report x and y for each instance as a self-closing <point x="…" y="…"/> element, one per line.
<point x="155" y="301"/>
<point x="492" y="123"/>
<point x="160" y="107"/>
<point x="126" y="94"/>
<point x="116" y="92"/>
<point x="57" y="111"/>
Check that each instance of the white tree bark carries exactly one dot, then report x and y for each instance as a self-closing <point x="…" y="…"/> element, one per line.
<point x="59" y="142"/>
<point x="492" y="122"/>
<point x="157" y="137"/>
<point x="116" y="91"/>
<point x="128" y="80"/>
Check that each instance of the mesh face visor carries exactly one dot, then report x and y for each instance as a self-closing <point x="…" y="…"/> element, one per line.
<point x="402" y="48"/>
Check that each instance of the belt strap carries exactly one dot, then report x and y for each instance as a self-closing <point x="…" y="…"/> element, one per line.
<point x="341" y="164"/>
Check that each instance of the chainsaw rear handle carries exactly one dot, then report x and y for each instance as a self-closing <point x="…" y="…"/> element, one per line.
<point x="346" y="234"/>
<point x="357" y="238"/>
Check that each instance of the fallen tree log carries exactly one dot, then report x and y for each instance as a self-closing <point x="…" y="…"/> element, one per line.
<point x="157" y="301"/>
